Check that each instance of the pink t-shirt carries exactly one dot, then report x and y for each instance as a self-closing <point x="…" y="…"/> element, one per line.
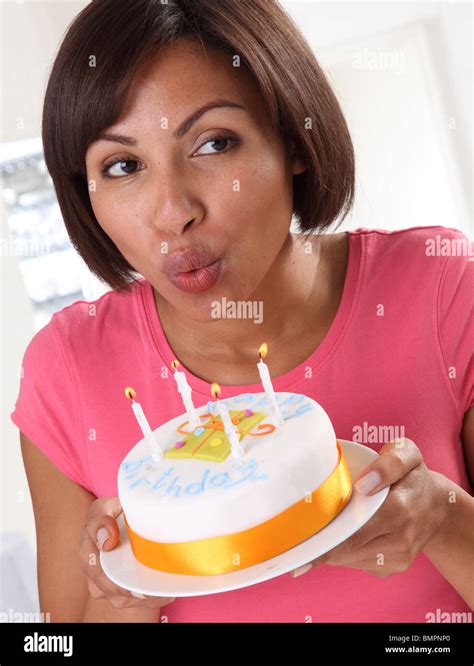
<point x="398" y="353"/>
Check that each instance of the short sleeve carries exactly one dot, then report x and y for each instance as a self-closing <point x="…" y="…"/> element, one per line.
<point x="455" y="315"/>
<point x="46" y="409"/>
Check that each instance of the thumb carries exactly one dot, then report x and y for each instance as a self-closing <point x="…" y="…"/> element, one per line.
<point x="396" y="459"/>
<point x="107" y="534"/>
<point x="101" y="524"/>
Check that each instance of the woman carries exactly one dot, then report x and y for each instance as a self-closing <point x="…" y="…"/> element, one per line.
<point x="181" y="138"/>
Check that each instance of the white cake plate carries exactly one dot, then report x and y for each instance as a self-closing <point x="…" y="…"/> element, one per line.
<point x="123" y="569"/>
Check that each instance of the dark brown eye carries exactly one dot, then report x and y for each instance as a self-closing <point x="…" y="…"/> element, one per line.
<point x="128" y="166"/>
<point x="221" y="146"/>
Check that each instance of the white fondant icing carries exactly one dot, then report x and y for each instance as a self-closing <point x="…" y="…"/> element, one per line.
<point x="186" y="499"/>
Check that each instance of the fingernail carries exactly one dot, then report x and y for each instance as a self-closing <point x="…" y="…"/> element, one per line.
<point x="368" y="482"/>
<point x="299" y="571"/>
<point x="138" y="595"/>
<point x="102" y="536"/>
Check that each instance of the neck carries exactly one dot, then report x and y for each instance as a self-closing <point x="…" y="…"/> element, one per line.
<point x="282" y="297"/>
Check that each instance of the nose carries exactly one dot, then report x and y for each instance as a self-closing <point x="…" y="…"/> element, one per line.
<point x="175" y="212"/>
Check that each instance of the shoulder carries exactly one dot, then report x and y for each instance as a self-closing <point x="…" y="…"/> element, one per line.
<point x="84" y="325"/>
<point x="83" y="320"/>
<point x="415" y="251"/>
<point x="432" y="240"/>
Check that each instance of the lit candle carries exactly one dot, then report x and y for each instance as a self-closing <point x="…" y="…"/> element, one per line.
<point x="185" y="390"/>
<point x="155" y="449"/>
<point x="267" y="384"/>
<point x="229" y="428"/>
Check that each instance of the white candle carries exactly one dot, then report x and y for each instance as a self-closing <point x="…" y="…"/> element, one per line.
<point x="185" y="390"/>
<point x="268" y="386"/>
<point x="155" y="448"/>
<point x="229" y="428"/>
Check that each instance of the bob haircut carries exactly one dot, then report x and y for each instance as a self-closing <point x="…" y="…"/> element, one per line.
<point x="108" y="42"/>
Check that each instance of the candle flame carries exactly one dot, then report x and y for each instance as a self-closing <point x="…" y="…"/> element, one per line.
<point x="175" y="364"/>
<point x="130" y="393"/>
<point x="215" y="390"/>
<point x="262" y="351"/>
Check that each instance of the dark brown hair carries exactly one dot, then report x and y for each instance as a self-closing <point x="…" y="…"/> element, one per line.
<point x="103" y="49"/>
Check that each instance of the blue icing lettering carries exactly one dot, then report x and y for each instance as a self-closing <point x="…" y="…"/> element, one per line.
<point x="293" y="399"/>
<point x="245" y="397"/>
<point x="199" y="486"/>
<point x="134" y="465"/>
<point x="162" y="479"/>
<point x="304" y="408"/>
<point x="211" y="407"/>
<point x="158" y="484"/>
<point x="173" y="487"/>
<point x="140" y="481"/>
<point x="246" y="469"/>
<point x="127" y="466"/>
<point x="215" y="481"/>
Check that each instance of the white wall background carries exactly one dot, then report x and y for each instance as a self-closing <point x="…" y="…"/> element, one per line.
<point x="403" y="74"/>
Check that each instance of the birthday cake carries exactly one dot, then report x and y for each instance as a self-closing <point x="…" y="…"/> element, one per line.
<point x="203" y="510"/>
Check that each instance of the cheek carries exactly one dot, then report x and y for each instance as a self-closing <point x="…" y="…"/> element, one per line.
<point x="257" y="220"/>
<point x="106" y="209"/>
<point x="261" y="207"/>
<point x="265" y="192"/>
<point x="124" y="224"/>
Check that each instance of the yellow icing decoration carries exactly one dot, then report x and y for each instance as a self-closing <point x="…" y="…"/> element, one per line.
<point x="202" y="446"/>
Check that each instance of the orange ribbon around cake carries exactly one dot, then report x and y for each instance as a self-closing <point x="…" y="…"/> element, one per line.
<point x="222" y="554"/>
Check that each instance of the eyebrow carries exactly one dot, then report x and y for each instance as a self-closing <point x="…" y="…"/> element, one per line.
<point x="181" y="130"/>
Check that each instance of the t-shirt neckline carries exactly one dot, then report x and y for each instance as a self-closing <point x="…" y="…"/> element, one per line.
<point x="290" y="380"/>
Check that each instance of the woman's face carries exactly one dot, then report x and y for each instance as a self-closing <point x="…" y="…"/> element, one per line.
<point x="221" y="185"/>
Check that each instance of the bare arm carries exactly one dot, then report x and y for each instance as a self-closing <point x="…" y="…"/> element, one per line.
<point x="61" y="508"/>
<point x="452" y="550"/>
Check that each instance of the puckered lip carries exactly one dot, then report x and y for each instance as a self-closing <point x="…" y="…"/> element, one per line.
<point x="188" y="260"/>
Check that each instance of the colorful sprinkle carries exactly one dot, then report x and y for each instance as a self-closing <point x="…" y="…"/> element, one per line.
<point x="198" y="431"/>
<point x="216" y="441"/>
<point x="248" y="412"/>
<point x="179" y="445"/>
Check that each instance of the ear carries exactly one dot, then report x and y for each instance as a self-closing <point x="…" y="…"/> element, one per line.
<point x="297" y="165"/>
